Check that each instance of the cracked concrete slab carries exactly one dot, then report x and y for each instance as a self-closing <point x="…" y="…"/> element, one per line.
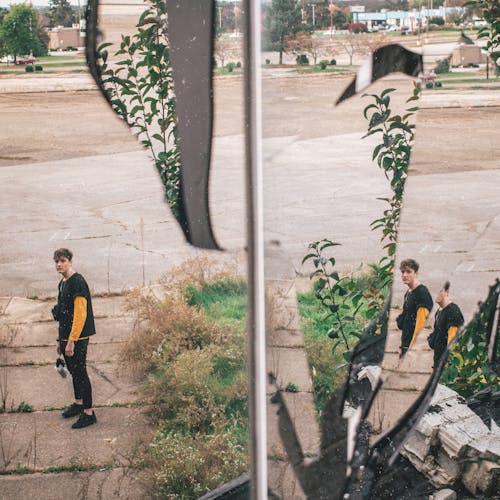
<point x="44" y="439"/>
<point x="42" y="387"/>
<point x="116" y="483"/>
<point x="45" y="334"/>
<point x="46" y="355"/>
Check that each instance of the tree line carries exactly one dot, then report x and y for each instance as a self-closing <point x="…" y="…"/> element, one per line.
<point x="23" y="28"/>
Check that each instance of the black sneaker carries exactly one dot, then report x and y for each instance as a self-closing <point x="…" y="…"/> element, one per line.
<point x="72" y="411"/>
<point x="84" y="421"/>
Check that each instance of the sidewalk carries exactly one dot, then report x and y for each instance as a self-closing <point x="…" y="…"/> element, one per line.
<point x="43" y="456"/>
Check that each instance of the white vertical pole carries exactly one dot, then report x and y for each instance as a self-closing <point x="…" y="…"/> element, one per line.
<point x="255" y="216"/>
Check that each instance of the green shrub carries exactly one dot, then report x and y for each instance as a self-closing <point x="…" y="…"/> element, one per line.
<point x="467" y="370"/>
<point x="323" y="64"/>
<point x="230" y="67"/>
<point x="438" y="84"/>
<point x="302" y="60"/>
<point x="38" y="67"/>
<point x="268" y="61"/>
<point x="442" y="66"/>
<point x="238" y="64"/>
<point x="438" y="21"/>
<point x="429" y="85"/>
<point x="333" y="62"/>
<point x="29" y="69"/>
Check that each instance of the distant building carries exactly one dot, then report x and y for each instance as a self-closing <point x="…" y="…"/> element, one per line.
<point x="61" y="38"/>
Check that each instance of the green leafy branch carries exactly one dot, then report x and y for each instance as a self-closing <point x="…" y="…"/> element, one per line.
<point x="139" y="87"/>
<point x="341" y="299"/>
<point x="393" y="156"/>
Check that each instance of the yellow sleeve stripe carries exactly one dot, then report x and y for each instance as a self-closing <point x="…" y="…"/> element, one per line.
<point x="79" y="318"/>
<point x="422" y="315"/>
<point x="452" y="333"/>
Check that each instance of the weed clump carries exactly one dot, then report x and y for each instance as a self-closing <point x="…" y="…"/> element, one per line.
<point x="190" y="350"/>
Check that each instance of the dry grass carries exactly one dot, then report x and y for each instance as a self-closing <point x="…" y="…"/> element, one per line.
<point x="163" y="330"/>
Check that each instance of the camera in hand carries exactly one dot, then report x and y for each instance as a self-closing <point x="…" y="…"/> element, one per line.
<point x="56" y="310"/>
<point x="61" y="368"/>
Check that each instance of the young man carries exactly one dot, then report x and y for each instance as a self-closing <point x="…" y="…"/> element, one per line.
<point x="76" y="324"/>
<point x="416" y="308"/>
<point x="448" y="320"/>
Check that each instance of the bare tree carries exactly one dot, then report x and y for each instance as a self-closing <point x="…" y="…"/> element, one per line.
<point x="305" y="43"/>
<point x="352" y="44"/>
<point x="226" y="48"/>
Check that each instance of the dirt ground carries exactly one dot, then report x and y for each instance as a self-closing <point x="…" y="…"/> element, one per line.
<point x="39" y="127"/>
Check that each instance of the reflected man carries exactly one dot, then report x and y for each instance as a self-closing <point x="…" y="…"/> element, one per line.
<point x="448" y="320"/>
<point x="76" y="324"/>
<point x="416" y="308"/>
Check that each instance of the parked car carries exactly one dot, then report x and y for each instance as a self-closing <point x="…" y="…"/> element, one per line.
<point x="7" y="59"/>
<point x="25" y="60"/>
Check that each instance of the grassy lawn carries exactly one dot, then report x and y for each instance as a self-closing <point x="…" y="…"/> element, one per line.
<point x="328" y="368"/>
<point x="328" y="69"/>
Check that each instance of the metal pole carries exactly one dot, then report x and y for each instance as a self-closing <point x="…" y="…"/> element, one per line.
<point x="256" y="293"/>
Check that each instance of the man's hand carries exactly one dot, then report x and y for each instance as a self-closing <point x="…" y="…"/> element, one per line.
<point x="70" y="348"/>
<point x="58" y="349"/>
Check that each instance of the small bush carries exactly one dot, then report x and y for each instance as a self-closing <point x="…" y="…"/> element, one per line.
<point x="438" y="21"/>
<point x="438" y="85"/>
<point x="268" y="61"/>
<point x="429" y="85"/>
<point x="238" y="64"/>
<point x="333" y="62"/>
<point x="357" y="28"/>
<point x="29" y="69"/>
<point x="38" y="67"/>
<point x="163" y="330"/>
<point x="442" y="66"/>
<point x="302" y="60"/>
<point x="230" y="67"/>
<point x="323" y="64"/>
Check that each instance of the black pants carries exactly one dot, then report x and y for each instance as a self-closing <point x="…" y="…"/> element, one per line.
<point x="77" y="366"/>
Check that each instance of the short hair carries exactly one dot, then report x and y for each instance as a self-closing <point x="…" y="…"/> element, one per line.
<point x="409" y="263"/>
<point x="63" y="252"/>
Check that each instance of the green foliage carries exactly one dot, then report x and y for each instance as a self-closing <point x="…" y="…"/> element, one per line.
<point x="327" y="367"/>
<point x="333" y="62"/>
<point x="302" y="60"/>
<point x="429" y="85"/>
<point x="283" y="18"/>
<point x="323" y="64"/>
<point x="489" y="10"/>
<point x="21" y="33"/>
<point x="22" y="407"/>
<point x="291" y="387"/>
<point x="29" y="69"/>
<point x="393" y="156"/>
<point x="467" y="370"/>
<point x="347" y="302"/>
<point x="61" y="13"/>
<point x="230" y="67"/>
<point x="438" y="21"/>
<point x="139" y="87"/>
<point x="38" y="67"/>
<point x="442" y="66"/>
